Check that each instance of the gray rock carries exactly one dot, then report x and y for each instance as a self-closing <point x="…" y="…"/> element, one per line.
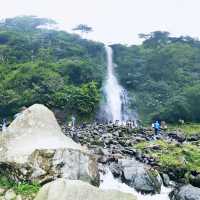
<point x="180" y="137"/>
<point x="141" y="177"/>
<point x="10" y="195"/>
<point x="166" y="180"/>
<point x="116" y="169"/>
<point x="187" y="192"/>
<point x="195" y="180"/>
<point x="63" y="189"/>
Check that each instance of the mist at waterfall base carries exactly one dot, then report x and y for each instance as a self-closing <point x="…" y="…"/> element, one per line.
<point x="115" y="106"/>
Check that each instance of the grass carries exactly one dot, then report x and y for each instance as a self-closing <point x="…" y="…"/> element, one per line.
<point x="24" y="189"/>
<point x="187" y="129"/>
<point x="170" y="155"/>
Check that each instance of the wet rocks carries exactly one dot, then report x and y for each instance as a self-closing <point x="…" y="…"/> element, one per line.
<point x="195" y="180"/>
<point x="120" y="142"/>
<point x="137" y="175"/>
<point x="140" y="176"/>
<point x="166" y="180"/>
<point x="187" y="192"/>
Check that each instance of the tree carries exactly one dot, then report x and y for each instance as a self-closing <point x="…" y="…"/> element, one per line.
<point x="55" y="68"/>
<point x="155" y="38"/>
<point x="25" y="23"/>
<point x="83" y="28"/>
<point x="163" y="75"/>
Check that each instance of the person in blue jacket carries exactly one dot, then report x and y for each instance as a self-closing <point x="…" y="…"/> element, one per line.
<point x="156" y="127"/>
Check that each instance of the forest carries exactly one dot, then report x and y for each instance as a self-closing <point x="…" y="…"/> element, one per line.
<point x="64" y="71"/>
<point x="48" y="66"/>
<point x="163" y="76"/>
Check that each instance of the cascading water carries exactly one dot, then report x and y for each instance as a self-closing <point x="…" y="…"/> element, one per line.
<point x="109" y="182"/>
<point x="113" y="90"/>
<point x="116" y="106"/>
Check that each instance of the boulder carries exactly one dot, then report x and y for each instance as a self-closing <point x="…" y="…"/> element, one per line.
<point x="35" y="149"/>
<point x="63" y="189"/>
<point x="180" y="137"/>
<point x="143" y="178"/>
<point x="195" y="180"/>
<point x="187" y="192"/>
<point x="10" y="195"/>
<point x="166" y="180"/>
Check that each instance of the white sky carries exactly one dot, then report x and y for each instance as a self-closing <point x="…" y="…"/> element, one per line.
<point x="114" y="21"/>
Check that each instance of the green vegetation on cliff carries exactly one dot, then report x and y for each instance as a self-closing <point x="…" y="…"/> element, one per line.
<point x="65" y="71"/>
<point x="55" y="68"/>
<point x="163" y="74"/>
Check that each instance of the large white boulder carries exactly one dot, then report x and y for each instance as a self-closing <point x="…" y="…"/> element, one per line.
<point x="63" y="189"/>
<point x="34" y="148"/>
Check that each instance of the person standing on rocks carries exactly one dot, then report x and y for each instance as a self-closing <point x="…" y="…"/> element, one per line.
<point x="156" y="127"/>
<point x="4" y="125"/>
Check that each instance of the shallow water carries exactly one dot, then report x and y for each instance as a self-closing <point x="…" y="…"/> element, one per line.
<point x="109" y="182"/>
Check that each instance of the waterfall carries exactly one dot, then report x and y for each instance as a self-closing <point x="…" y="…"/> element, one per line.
<point x="113" y="90"/>
<point x="116" y="106"/>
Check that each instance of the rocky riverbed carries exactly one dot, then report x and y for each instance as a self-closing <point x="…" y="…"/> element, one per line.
<point x="35" y="153"/>
<point x="172" y="154"/>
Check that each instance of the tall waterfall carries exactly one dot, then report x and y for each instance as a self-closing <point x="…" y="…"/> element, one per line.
<point x="116" y="105"/>
<point x="113" y="90"/>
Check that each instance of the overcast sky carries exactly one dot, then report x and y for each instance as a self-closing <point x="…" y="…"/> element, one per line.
<point x="114" y="21"/>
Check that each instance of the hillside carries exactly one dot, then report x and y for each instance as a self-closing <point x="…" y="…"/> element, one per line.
<point x="48" y="66"/>
<point x="65" y="72"/>
<point x="162" y="76"/>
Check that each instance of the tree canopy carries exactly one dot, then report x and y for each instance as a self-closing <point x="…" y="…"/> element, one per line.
<point x="83" y="28"/>
<point x="163" y="76"/>
<point x="55" y="68"/>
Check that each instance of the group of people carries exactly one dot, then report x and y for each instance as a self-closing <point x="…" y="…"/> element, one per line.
<point x="5" y="123"/>
<point x="128" y="123"/>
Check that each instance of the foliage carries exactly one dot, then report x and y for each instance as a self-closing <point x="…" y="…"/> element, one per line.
<point x="163" y="75"/>
<point x="83" y="28"/>
<point x="25" y="189"/>
<point x="55" y="68"/>
<point x="187" y="129"/>
<point x="171" y="156"/>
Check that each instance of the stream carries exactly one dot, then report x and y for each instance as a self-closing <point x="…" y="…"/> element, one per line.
<point x="109" y="182"/>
